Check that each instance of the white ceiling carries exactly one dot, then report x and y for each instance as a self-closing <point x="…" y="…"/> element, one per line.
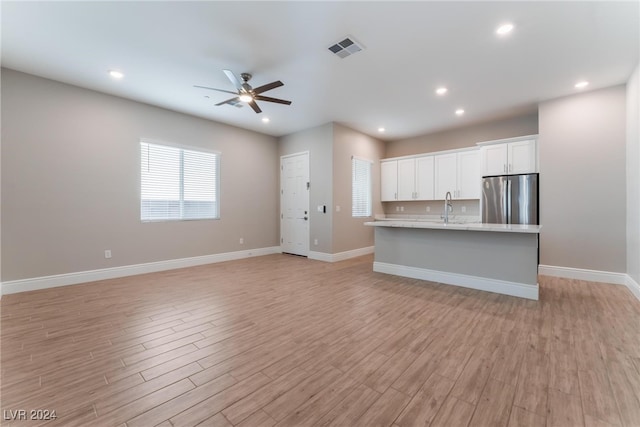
<point x="164" y="48"/>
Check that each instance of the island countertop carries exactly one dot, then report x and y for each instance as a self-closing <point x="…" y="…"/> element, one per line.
<point x="463" y="226"/>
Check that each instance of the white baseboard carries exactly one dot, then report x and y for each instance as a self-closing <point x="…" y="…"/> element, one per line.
<point x="582" y="274"/>
<point x="340" y="256"/>
<point x="36" y="283"/>
<point x="591" y="276"/>
<point x="484" y="284"/>
<point x="633" y="286"/>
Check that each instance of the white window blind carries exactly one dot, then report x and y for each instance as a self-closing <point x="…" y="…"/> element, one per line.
<point x="361" y="187"/>
<point x="178" y="183"/>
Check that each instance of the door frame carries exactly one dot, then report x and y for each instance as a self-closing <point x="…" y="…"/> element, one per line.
<point x="307" y="153"/>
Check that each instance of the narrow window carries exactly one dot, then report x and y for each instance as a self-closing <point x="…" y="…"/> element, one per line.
<point x="360" y="187"/>
<point x="178" y="183"/>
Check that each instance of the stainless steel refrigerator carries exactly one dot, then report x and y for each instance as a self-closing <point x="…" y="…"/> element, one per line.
<point x="510" y="199"/>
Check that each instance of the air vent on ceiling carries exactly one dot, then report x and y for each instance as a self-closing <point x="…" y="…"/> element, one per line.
<point x="346" y="47"/>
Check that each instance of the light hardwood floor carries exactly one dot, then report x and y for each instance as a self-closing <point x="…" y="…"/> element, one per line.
<point x="282" y="340"/>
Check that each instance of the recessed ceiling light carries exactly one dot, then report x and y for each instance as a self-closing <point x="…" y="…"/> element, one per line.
<point x="441" y="90"/>
<point x="116" y="74"/>
<point x="504" y="29"/>
<point x="265" y="120"/>
<point x="381" y="130"/>
<point x="582" y="84"/>
<point x="459" y="112"/>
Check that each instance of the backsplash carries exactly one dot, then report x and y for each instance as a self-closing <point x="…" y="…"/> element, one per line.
<point x="436" y="207"/>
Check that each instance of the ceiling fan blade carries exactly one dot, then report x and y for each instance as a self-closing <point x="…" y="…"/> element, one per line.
<point x="268" y="86"/>
<point x="266" y="98"/>
<point x="227" y="101"/>
<point x="213" y="88"/>
<point x="233" y="79"/>
<point x="255" y="107"/>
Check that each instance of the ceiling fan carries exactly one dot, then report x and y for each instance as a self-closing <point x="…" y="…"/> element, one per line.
<point x="246" y="93"/>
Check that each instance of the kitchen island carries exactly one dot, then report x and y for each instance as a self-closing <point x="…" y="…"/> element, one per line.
<point x="501" y="258"/>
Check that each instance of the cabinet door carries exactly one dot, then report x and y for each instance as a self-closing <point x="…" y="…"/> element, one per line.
<point x="389" y="181"/>
<point x="469" y="178"/>
<point x="522" y="157"/>
<point x="425" y="177"/>
<point x="494" y="159"/>
<point x="406" y="179"/>
<point x="445" y="174"/>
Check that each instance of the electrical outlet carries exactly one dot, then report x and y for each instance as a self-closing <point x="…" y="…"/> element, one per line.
<point x="337" y="208"/>
<point x="107" y="253"/>
<point x="401" y="208"/>
<point x="315" y="242"/>
<point x="428" y="208"/>
<point x="463" y="209"/>
<point x="397" y="208"/>
<point x="242" y="240"/>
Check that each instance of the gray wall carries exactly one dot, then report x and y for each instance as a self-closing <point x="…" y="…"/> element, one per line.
<point x="318" y="142"/>
<point x="70" y="182"/>
<point x="583" y="181"/>
<point x="348" y="232"/>
<point x="466" y="136"/>
<point x="633" y="176"/>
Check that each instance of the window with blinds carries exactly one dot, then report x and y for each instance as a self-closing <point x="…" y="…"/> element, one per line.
<point x="178" y="183"/>
<point x="360" y="187"/>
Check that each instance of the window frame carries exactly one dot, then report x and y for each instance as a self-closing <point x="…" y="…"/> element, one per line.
<point x="182" y="147"/>
<point x="369" y="212"/>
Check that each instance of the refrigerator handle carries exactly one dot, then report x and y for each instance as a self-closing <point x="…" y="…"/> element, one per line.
<point x="508" y="204"/>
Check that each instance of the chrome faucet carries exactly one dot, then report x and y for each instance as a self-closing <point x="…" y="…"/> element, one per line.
<point x="447" y="207"/>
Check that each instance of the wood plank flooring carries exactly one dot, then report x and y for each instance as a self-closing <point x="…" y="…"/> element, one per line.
<point x="285" y="341"/>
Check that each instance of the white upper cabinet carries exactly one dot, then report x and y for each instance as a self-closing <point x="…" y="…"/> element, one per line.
<point x="458" y="173"/>
<point x="429" y="177"/>
<point x="509" y="158"/>
<point x="494" y="159"/>
<point x="407" y="179"/>
<point x="469" y="178"/>
<point x="446" y="178"/>
<point x="522" y="157"/>
<point x="425" y="178"/>
<point x="389" y="181"/>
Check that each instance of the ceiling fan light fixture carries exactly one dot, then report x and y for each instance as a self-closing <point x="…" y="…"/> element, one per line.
<point x="245" y="97"/>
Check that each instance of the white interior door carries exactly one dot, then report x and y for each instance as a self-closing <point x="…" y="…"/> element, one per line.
<point x="294" y="204"/>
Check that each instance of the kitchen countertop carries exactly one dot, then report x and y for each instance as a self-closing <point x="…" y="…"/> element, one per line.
<point x="455" y="225"/>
